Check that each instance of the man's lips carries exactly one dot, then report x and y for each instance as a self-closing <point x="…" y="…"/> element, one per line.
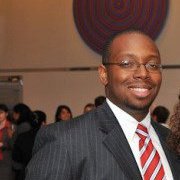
<point x="141" y="91"/>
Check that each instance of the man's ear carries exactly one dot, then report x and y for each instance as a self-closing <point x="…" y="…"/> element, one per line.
<point x="102" y="70"/>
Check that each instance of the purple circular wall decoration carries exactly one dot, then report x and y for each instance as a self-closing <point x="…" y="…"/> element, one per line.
<point x="96" y="20"/>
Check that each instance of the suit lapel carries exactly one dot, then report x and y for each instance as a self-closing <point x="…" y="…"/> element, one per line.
<point x="171" y="157"/>
<point x="116" y="142"/>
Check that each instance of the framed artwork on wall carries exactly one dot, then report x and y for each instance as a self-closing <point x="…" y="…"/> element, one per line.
<point x="96" y="20"/>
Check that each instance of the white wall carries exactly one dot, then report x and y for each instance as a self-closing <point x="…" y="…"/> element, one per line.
<point x="42" y="34"/>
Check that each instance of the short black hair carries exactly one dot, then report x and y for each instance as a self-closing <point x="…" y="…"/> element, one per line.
<point x="4" y="108"/>
<point x="107" y="46"/>
<point x="162" y="114"/>
<point x="25" y="113"/>
<point x="99" y="100"/>
<point x="39" y="118"/>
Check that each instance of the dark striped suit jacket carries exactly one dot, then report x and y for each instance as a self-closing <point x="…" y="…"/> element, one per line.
<point x="90" y="147"/>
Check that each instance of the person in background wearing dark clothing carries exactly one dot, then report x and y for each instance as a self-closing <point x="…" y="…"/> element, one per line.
<point x="174" y="137"/>
<point x="99" y="100"/>
<point x="160" y="114"/>
<point x="63" y="113"/>
<point x="23" y="117"/>
<point x="5" y="147"/>
<point x="22" y="151"/>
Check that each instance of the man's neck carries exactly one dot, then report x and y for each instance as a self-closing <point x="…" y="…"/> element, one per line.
<point x="138" y="114"/>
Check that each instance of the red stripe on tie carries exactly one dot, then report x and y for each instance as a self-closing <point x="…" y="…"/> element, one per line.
<point x="147" y="153"/>
<point x="160" y="174"/>
<point x="150" y="159"/>
<point x="152" y="166"/>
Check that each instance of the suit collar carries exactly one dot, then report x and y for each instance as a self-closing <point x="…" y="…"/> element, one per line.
<point x="116" y="142"/>
<point x="162" y="133"/>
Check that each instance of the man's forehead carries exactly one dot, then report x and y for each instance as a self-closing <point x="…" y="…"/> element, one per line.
<point x="131" y="36"/>
<point x="135" y="41"/>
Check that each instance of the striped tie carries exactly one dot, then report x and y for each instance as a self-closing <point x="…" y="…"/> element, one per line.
<point x="152" y="167"/>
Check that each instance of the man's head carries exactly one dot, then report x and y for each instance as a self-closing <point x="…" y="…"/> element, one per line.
<point x="131" y="72"/>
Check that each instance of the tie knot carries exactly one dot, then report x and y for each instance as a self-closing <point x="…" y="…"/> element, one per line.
<point x="142" y="131"/>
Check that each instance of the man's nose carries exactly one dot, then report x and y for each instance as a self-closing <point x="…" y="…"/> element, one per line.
<point x="141" y="72"/>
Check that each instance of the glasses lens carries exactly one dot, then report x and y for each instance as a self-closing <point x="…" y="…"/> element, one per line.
<point x="128" y="64"/>
<point x="153" y="67"/>
<point x="132" y="65"/>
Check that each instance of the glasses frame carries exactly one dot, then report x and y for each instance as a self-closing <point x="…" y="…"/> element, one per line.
<point x="137" y="65"/>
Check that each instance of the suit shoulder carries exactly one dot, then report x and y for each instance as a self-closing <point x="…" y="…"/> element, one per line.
<point x="61" y="131"/>
<point x="160" y="129"/>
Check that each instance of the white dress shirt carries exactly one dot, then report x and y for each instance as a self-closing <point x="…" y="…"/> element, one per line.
<point x="129" y="126"/>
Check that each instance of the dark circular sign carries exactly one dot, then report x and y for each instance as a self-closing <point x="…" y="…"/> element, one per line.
<point x="96" y="20"/>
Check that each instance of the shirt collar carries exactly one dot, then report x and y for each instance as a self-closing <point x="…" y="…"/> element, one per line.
<point x="125" y="120"/>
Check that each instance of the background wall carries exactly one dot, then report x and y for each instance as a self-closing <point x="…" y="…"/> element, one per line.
<point x="42" y="34"/>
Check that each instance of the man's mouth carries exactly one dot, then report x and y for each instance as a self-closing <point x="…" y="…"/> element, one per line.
<point x="140" y="92"/>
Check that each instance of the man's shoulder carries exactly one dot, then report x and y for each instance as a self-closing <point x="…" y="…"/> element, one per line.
<point x="160" y="129"/>
<point x="64" y="126"/>
<point x="76" y="129"/>
<point x="65" y="132"/>
<point x="88" y="119"/>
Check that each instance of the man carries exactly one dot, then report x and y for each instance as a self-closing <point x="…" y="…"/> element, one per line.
<point x="104" y="144"/>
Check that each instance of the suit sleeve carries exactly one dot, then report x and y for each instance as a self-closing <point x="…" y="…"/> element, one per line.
<point x="50" y="159"/>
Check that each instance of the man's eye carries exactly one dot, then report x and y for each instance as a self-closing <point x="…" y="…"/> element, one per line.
<point x="126" y="63"/>
<point x="153" y="66"/>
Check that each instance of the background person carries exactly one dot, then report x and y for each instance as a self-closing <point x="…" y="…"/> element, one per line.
<point x="160" y="114"/>
<point x="99" y="100"/>
<point x="174" y="138"/>
<point x="22" y="151"/>
<point x="23" y="118"/>
<point x="5" y="146"/>
<point x="88" y="107"/>
<point x="63" y="113"/>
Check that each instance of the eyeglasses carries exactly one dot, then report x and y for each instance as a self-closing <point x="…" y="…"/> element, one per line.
<point x="132" y="65"/>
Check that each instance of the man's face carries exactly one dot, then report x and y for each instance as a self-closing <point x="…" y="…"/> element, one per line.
<point x="131" y="90"/>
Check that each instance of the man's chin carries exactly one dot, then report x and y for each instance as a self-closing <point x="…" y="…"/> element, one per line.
<point x="140" y="106"/>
